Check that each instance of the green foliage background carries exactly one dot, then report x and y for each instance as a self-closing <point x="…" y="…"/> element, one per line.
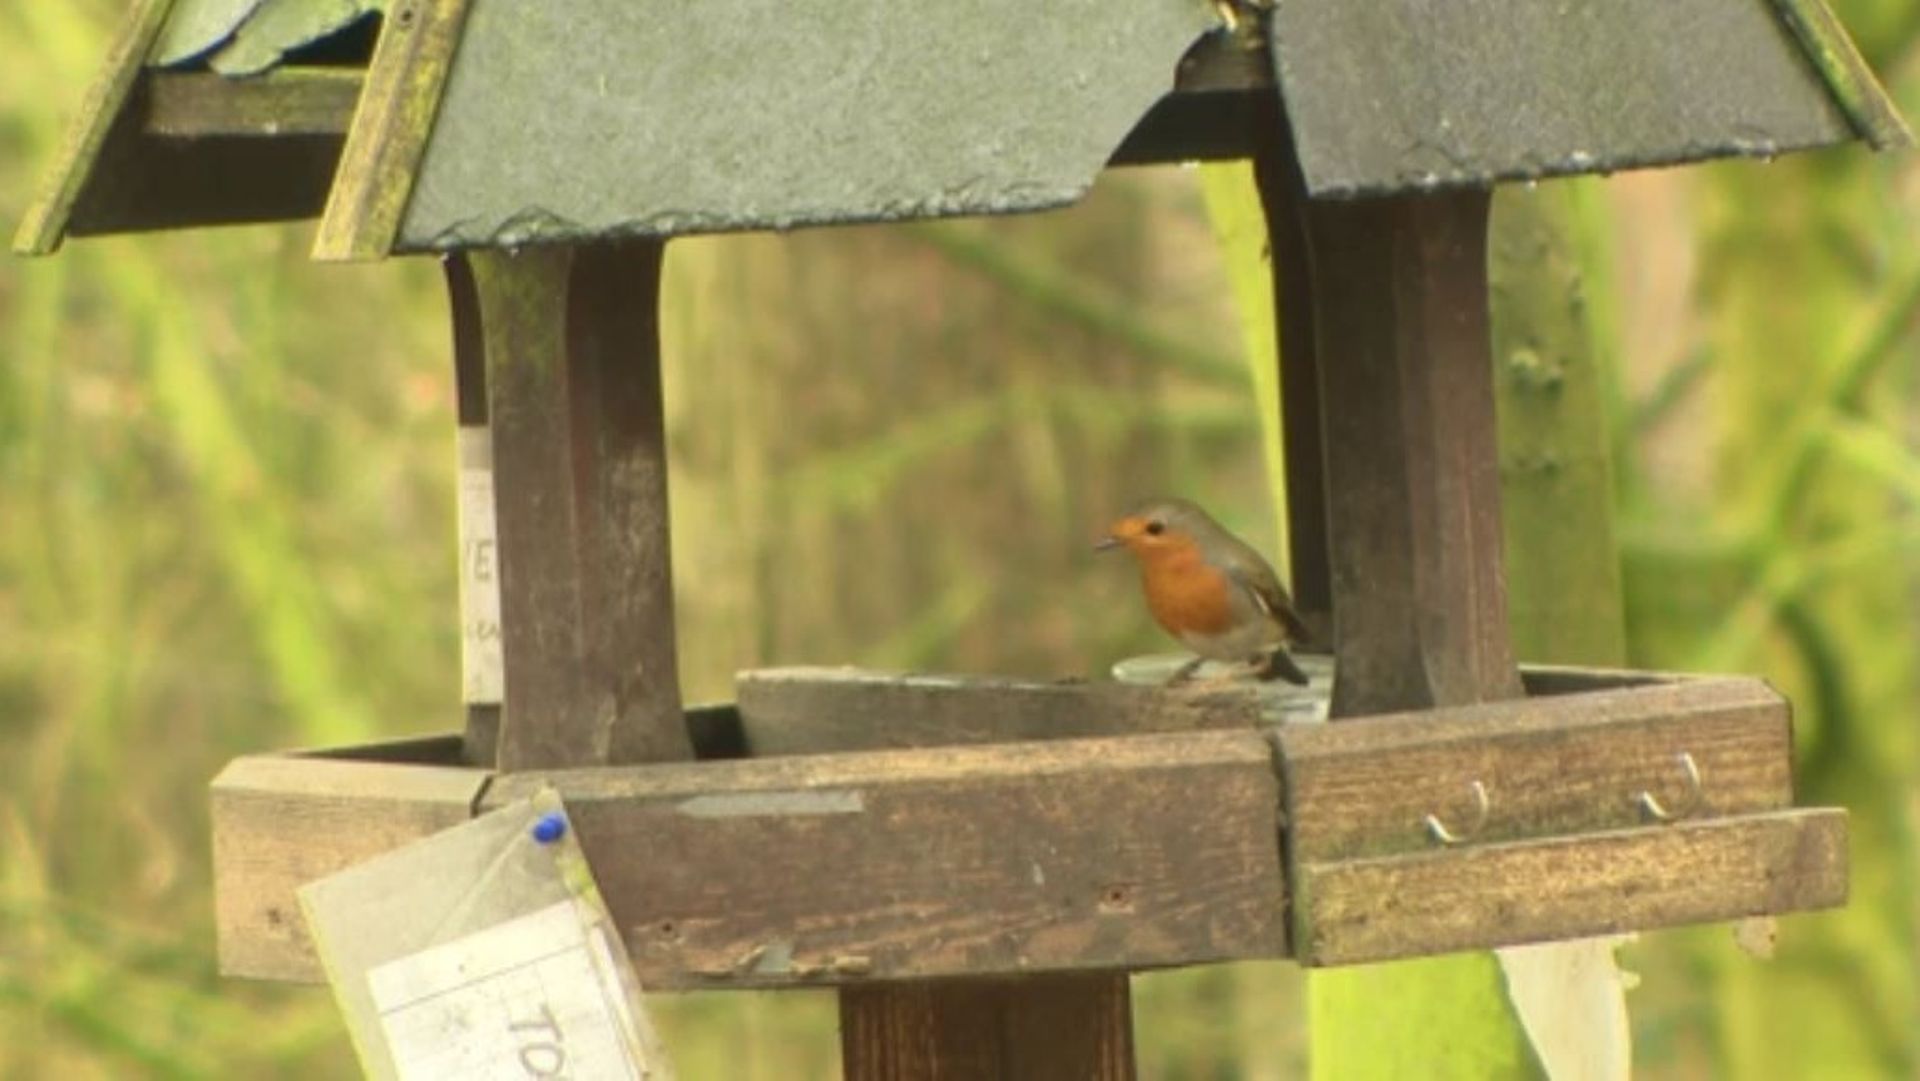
<point x="226" y="525"/>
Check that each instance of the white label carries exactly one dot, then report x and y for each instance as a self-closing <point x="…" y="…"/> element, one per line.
<point x="482" y="668"/>
<point x="535" y="997"/>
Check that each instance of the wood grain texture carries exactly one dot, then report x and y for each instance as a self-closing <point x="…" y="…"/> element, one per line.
<point x="1039" y="1027"/>
<point x="572" y="343"/>
<point x="1573" y="887"/>
<point x="103" y="118"/>
<point x="820" y="710"/>
<point x="283" y="102"/>
<point x="818" y="870"/>
<point x="1413" y="477"/>
<point x="281" y="821"/>
<point x="1044" y="1028"/>
<point x="993" y="860"/>
<point x="1569" y="764"/>
<point x="390" y="127"/>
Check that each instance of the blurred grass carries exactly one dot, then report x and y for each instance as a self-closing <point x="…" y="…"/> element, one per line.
<point x="225" y="525"/>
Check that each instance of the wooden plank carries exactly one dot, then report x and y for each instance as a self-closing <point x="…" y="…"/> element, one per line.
<point x="969" y="861"/>
<point x="390" y="126"/>
<point x="1413" y="477"/>
<point x="1011" y="860"/>
<point x="281" y="821"/>
<point x="102" y="119"/>
<point x="808" y="710"/>
<point x="572" y="344"/>
<point x="1571" y="887"/>
<point x="283" y="102"/>
<point x="1043" y="1028"/>
<point x="1573" y="764"/>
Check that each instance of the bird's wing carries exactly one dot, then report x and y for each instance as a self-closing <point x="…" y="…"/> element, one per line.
<point x="1257" y="578"/>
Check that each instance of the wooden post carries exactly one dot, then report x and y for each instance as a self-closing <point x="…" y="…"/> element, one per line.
<point x="1047" y="1028"/>
<point x="1413" y="477"/>
<point x="1419" y="591"/>
<point x="572" y="346"/>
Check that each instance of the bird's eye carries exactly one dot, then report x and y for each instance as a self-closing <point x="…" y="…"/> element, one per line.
<point x="1156" y="528"/>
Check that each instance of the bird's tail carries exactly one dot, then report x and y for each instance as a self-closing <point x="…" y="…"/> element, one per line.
<point x="1281" y="665"/>
<point x="1298" y="633"/>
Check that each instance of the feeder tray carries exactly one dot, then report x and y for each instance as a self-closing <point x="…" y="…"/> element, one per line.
<point x="1104" y="847"/>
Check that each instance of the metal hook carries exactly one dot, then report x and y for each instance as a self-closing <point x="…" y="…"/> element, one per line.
<point x="1695" y="794"/>
<point x="1445" y="836"/>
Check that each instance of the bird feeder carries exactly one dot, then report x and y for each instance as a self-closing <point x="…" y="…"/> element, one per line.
<point x="977" y="864"/>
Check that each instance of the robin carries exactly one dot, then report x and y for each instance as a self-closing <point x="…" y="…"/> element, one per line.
<point x="1211" y="590"/>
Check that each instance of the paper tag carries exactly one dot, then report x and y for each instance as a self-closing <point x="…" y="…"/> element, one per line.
<point x="537" y="996"/>
<point x="482" y="667"/>
<point x="484" y="952"/>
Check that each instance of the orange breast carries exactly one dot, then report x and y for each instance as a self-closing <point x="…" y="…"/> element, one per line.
<point x="1185" y="594"/>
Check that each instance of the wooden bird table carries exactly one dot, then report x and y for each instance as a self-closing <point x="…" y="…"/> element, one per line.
<point x="978" y="864"/>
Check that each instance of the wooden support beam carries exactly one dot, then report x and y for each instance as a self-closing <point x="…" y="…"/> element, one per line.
<point x="572" y="344"/>
<point x="102" y="127"/>
<point x="1413" y="478"/>
<point x="388" y="137"/>
<point x="1574" y="887"/>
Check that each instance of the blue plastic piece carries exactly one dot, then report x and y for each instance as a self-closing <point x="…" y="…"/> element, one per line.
<point x="551" y="827"/>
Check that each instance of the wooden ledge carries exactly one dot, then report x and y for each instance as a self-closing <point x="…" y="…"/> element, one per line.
<point x="1081" y="854"/>
<point x="1228" y="839"/>
<point x="1492" y="895"/>
<point x="283" y="102"/>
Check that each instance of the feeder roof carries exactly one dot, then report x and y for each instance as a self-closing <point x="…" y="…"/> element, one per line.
<point x="480" y="123"/>
<point x="1392" y="95"/>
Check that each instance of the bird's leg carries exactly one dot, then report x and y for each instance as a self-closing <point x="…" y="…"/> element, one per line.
<point x="1279" y="664"/>
<point x="1185" y="672"/>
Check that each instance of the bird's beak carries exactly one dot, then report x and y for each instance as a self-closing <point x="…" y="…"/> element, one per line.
<point x="1108" y="542"/>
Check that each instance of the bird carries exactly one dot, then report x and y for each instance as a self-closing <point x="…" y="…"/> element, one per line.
<point x="1210" y="589"/>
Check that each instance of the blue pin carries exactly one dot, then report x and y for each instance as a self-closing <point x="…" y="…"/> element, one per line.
<point x="550" y="828"/>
